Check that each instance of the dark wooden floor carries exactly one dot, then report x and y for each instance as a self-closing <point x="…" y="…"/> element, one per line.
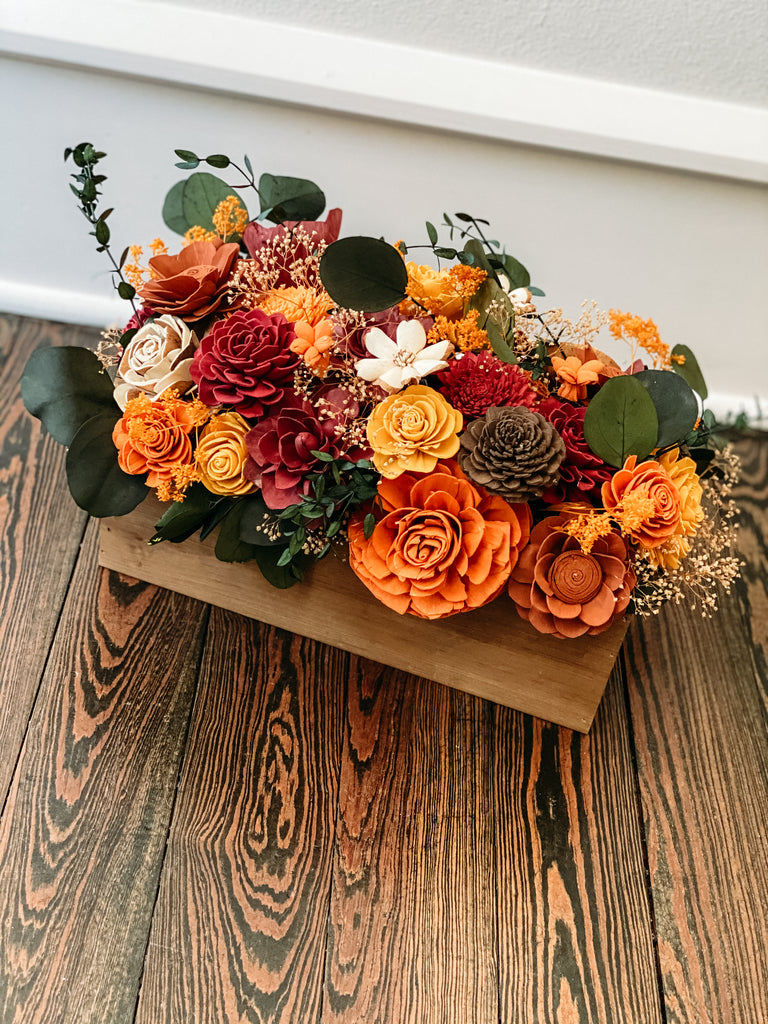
<point x="209" y="820"/>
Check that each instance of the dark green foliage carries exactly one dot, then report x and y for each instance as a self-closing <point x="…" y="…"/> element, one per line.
<point x="64" y="387"/>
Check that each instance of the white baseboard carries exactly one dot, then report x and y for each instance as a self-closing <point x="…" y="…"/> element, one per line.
<point x="386" y="81"/>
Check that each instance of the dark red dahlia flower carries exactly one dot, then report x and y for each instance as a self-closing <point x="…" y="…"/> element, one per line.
<point x="582" y="473"/>
<point x="479" y="381"/>
<point x="280" y="450"/>
<point x="245" y="362"/>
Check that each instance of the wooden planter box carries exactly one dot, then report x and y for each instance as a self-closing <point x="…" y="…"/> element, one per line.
<point x="491" y="652"/>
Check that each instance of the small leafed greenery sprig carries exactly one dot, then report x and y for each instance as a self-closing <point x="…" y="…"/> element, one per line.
<point x="86" y="158"/>
<point x="335" y="492"/>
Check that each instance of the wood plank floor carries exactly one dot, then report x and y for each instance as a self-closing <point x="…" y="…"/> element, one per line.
<point x="209" y="820"/>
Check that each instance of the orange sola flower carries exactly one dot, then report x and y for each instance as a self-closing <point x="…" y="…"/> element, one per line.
<point x="314" y="345"/>
<point x="297" y="304"/>
<point x="153" y="437"/>
<point x="645" y="502"/>
<point x="442" y="546"/>
<point x="440" y="292"/>
<point x="563" y="590"/>
<point x="575" y="376"/>
<point x="411" y="430"/>
<point x="682" y="473"/>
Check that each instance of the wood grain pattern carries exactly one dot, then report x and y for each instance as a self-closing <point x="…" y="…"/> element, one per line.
<point x="575" y="939"/>
<point x="85" y="827"/>
<point x="240" y="927"/>
<point x="490" y="652"/>
<point x="40" y="532"/>
<point x="411" y="932"/>
<point x="697" y="690"/>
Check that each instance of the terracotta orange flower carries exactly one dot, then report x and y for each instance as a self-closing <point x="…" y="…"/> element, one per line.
<point x="644" y="500"/>
<point x="193" y="283"/>
<point x="443" y="545"/>
<point x="221" y="455"/>
<point x="411" y="430"/>
<point x="153" y="437"/>
<point x="563" y="591"/>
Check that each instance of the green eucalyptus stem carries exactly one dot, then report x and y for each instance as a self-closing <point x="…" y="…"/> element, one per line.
<point x="85" y="157"/>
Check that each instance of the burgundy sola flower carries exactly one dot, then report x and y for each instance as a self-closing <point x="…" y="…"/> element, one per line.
<point x="478" y="381"/>
<point x="582" y="473"/>
<point x="245" y="362"/>
<point x="280" y="447"/>
<point x="257" y="235"/>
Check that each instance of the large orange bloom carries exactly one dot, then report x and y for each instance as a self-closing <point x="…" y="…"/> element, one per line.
<point x="193" y="283"/>
<point x="153" y="437"/>
<point x="443" y="545"/>
<point x="561" y="590"/>
<point x="649" y="480"/>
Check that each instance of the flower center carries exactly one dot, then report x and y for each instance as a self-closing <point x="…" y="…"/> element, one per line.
<point x="404" y="358"/>
<point x="575" y="577"/>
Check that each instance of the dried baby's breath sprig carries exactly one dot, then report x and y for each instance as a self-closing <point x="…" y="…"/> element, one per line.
<point x="109" y="349"/>
<point x="710" y="567"/>
<point x="278" y="256"/>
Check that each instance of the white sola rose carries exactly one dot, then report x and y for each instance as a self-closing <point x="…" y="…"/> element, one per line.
<point x="396" y="364"/>
<point x="156" y="359"/>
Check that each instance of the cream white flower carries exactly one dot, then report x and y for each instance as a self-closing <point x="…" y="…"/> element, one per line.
<point x="521" y="298"/>
<point x="396" y="364"/>
<point x="157" y="358"/>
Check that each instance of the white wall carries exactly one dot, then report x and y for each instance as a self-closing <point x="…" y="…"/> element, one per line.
<point x="685" y="248"/>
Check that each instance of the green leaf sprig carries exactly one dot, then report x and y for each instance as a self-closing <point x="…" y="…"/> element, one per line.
<point x="85" y="157"/>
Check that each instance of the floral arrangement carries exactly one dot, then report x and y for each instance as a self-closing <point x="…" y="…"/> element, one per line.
<point x="305" y="394"/>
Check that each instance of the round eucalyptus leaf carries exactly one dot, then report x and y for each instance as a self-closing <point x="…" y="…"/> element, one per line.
<point x="620" y="421"/>
<point x="95" y="479"/>
<point x="173" y="209"/>
<point x="201" y="194"/>
<point x="689" y="370"/>
<point x="676" y="405"/>
<point x="363" y="273"/>
<point x="64" y="387"/>
<point x="284" y="198"/>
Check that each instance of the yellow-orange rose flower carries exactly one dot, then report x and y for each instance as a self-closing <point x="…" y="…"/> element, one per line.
<point x="153" y="437"/>
<point x="411" y="430"/>
<point x="652" y="485"/>
<point x="682" y="473"/>
<point x="221" y="455"/>
<point x="443" y="545"/>
<point x="442" y="292"/>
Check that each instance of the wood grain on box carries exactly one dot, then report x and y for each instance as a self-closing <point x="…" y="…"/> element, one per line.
<point x="491" y="653"/>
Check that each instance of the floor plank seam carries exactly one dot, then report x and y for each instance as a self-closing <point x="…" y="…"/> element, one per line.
<point x="179" y="776"/>
<point x="494" y="712"/>
<point x="643" y="838"/>
<point x="342" y="742"/>
<point x="44" y="667"/>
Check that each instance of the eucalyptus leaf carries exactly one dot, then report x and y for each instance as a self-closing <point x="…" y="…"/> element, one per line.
<point x="490" y="292"/>
<point x="229" y="546"/>
<point x="363" y="273"/>
<point x="481" y="261"/>
<point x="516" y="273"/>
<point x="620" y="421"/>
<point x="281" y="576"/>
<point x="64" y="387"/>
<point x="125" y="290"/>
<point x="183" y="518"/>
<point x="290" y="198"/>
<point x="95" y="479"/>
<point x="201" y="194"/>
<point x="173" y="209"/>
<point x="676" y="405"/>
<point x="689" y="370"/>
<point x="252" y="519"/>
<point x="432" y="233"/>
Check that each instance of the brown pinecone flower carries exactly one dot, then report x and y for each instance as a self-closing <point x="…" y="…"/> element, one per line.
<point x="512" y="451"/>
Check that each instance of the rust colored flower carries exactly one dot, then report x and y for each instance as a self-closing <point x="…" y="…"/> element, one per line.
<point x="153" y="437"/>
<point x="246" y="362"/>
<point x="643" y="499"/>
<point x="563" y="591"/>
<point x="193" y="283"/>
<point x="221" y="455"/>
<point x="442" y="545"/>
<point x="411" y="430"/>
